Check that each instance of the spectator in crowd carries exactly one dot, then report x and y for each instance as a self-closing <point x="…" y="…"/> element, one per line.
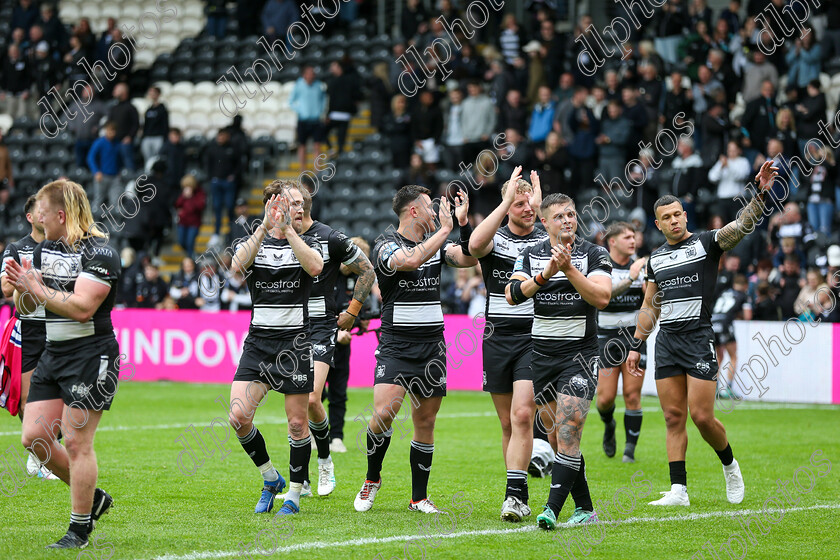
<point x="613" y="143"/>
<point x="239" y="140"/>
<point x="731" y="173"/>
<point x="786" y="130"/>
<point x="86" y="38"/>
<point x="703" y="90"/>
<point x="699" y="11"/>
<point x="427" y="128"/>
<point x="468" y="66"/>
<point x="127" y="122"/>
<point x="775" y="153"/>
<point x="468" y="287"/>
<point x="243" y="225"/>
<point x="54" y="33"/>
<point x="158" y="211"/>
<point x="789" y="284"/>
<point x="453" y="135"/>
<point x="582" y="149"/>
<point x="486" y="173"/>
<point x="787" y="246"/>
<point x="235" y="293"/>
<point x="155" y="126"/>
<point x="791" y="224"/>
<point x="765" y="308"/>
<point x="688" y="178"/>
<point x="417" y="174"/>
<point x="542" y="116"/>
<point x="732" y="15"/>
<point x="173" y="153"/>
<point x="131" y="275"/>
<point x="105" y="40"/>
<point x="651" y="90"/>
<point x="380" y="92"/>
<point x="513" y="113"/>
<point x="24" y="15"/>
<point x="759" y="119"/>
<point x="209" y="297"/>
<point x="413" y="19"/>
<point x="804" y="60"/>
<point x="636" y="113"/>
<point x="46" y="72"/>
<point x="675" y="101"/>
<point x="277" y="16"/>
<point x="671" y="21"/>
<point x="217" y="17"/>
<point x="397" y="127"/>
<point x="723" y="73"/>
<point x="551" y="160"/>
<point x="120" y="60"/>
<point x="105" y="162"/>
<point x="511" y="39"/>
<point x="343" y="91"/>
<point x="477" y="120"/>
<point x="646" y="188"/>
<point x="553" y="52"/>
<point x="814" y="298"/>
<point x="809" y="113"/>
<point x="308" y="100"/>
<point x="15" y="82"/>
<point x="821" y="185"/>
<point x="152" y="290"/>
<point x="566" y="88"/>
<point x="598" y="101"/>
<point x="515" y="152"/>
<point x="694" y="48"/>
<point x="756" y="75"/>
<point x="222" y="161"/>
<point x="184" y="285"/>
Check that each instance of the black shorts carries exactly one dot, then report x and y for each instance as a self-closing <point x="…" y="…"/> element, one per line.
<point x="506" y="359"/>
<point x="691" y="353"/>
<point x="322" y="334"/>
<point x="614" y="354"/>
<point x="83" y="374"/>
<point x="419" y="367"/>
<point x="33" y="341"/>
<point x="724" y="334"/>
<point x="284" y="364"/>
<point x="310" y="129"/>
<point x="568" y="374"/>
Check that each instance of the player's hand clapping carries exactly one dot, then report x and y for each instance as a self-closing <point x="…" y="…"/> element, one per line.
<point x="462" y="207"/>
<point x="636" y="268"/>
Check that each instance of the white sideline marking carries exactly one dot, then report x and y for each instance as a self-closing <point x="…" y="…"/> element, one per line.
<point x="376" y="540"/>
<point x="276" y="420"/>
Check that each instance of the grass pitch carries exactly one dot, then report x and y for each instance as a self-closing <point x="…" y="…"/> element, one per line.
<point x="162" y="513"/>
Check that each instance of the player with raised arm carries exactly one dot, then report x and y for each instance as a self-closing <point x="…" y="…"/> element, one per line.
<point x="30" y="329"/>
<point x="683" y="274"/>
<point x="337" y="249"/>
<point x="507" y="336"/>
<point x="569" y="279"/>
<point x="628" y="289"/>
<point x="280" y="265"/>
<point x="73" y="277"/>
<point x="408" y="264"/>
<point x="731" y="304"/>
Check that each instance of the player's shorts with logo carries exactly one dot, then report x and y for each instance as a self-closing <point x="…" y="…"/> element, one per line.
<point x="83" y="373"/>
<point x="419" y="367"/>
<point x="613" y="354"/>
<point x="724" y="334"/>
<point x="691" y="352"/>
<point x="574" y="374"/>
<point x="33" y="341"/>
<point x="506" y="359"/>
<point x="285" y="364"/>
<point x="322" y="334"/>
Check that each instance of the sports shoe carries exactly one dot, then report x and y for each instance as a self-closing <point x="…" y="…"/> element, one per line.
<point x="102" y="502"/>
<point x="269" y="491"/>
<point x="734" y="483"/>
<point x="514" y="509"/>
<point x="289" y="508"/>
<point x="326" y="478"/>
<point x="609" y="438"/>
<point x="424" y="506"/>
<point x="70" y="540"/>
<point x="539" y="468"/>
<point x="547" y="520"/>
<point x="676" y="496"/>
<point x="582" y="517"/>
<point x="725" y="393"/>
<point x="337" y="446"/>
<point x="364" y="499"/>
<point x="34" y="467"/>
<point x="629" y="454"/>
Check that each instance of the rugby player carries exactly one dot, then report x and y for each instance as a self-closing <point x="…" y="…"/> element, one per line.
<point x="411" y="356"/>
<point x="507" y="336"/>
<point x="73" y="275"/>
<point x="569" y="279"/>
<point x="731" y="304"/>
<point x="337" y="249"/>
<point x="279" y="264"/>
<point x="683" y="273"/>
<point x="30" y="330"/>
<point x="627" y="294"/>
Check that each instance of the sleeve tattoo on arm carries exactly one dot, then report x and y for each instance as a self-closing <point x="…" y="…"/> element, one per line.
<point x="367" y="277"/>
<point x="732" y="233"/>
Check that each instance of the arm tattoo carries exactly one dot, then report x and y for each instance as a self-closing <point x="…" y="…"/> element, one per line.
<point x="732" y="233"/>
<point x="621" y="287"/>
<point x="450" y="260"/>
<point x="367" y="277"/>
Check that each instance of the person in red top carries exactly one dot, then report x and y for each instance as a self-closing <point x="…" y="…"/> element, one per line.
<point x="190" y="205"/>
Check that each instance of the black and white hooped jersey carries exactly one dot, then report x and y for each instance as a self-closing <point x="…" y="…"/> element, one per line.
<point x="621" y="311"/>
<point x="280" y="289"/>
<point x="496" y="267"/>
<point x="685" y="274"/>
<point x="563" y="321"/>
<point x="411" y="307"/>
<point x="336" y="249"/>
<point x="20" y="251"/>
<point x="60" y="267"/>
<point x="728" y="305"/>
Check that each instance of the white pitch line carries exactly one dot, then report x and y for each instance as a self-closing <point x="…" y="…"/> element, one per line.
<point x="275" y="420"/>
<point x="380" y="540"/>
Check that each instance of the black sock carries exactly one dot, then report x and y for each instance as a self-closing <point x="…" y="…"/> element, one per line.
<point x="563" y="476"/>
<point x="678" y="475"/>
<point x="80" y="524"/>
<point x="725" y="455"/>
<point x="421" y="466"/>
<point x="517" y="485"/>
<point x="377" y="445"/>
<point x="254" y="446"/>
<point x="321" y="433"/>
<point x="607" y="415"/>
<point x="299" y="453"/>
<point x="580" y="491"/>
<point x="632" y="425"/>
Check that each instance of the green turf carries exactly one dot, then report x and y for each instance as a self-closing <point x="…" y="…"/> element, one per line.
<point x="163" y="513"/>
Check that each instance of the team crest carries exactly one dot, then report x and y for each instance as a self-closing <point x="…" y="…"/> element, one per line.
<point x="690" y="251"/>
<point x="380" y="371"/>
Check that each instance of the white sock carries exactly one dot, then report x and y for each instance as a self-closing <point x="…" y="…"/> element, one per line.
<point x="268" y="472"/>
<point x="294" y="493"/>
<point x="731" y="466"/>
<point x="326" y="461"/>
